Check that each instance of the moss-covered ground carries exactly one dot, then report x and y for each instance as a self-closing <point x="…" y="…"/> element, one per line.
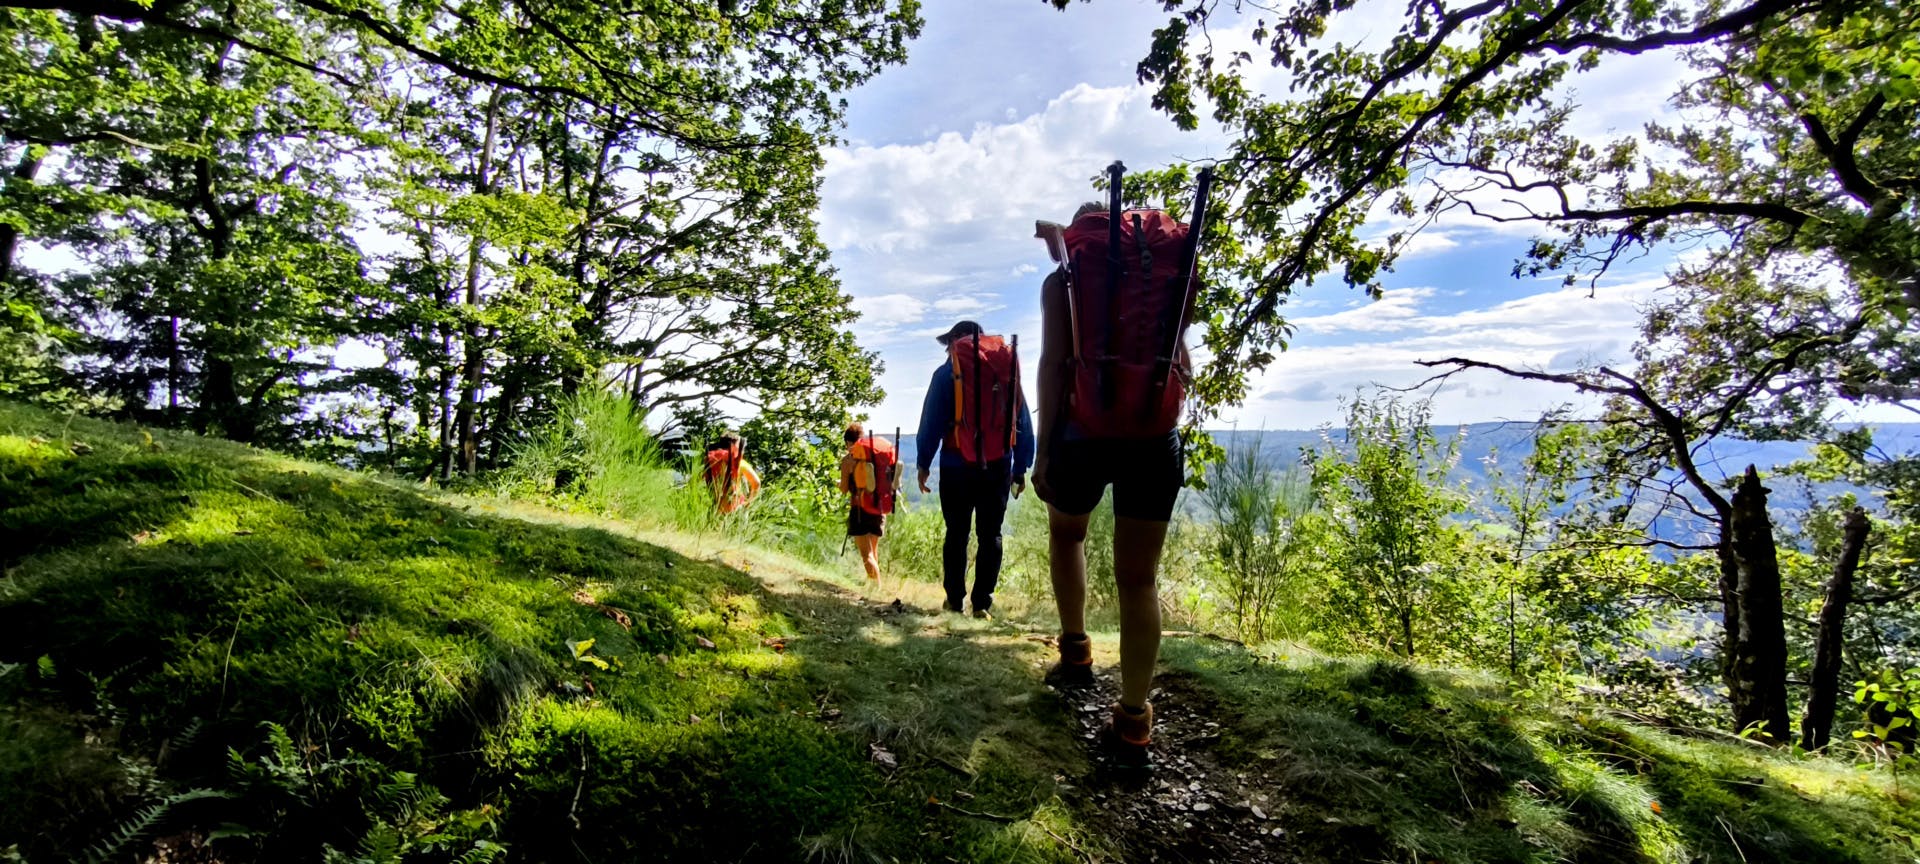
<point x="210" y="653"/>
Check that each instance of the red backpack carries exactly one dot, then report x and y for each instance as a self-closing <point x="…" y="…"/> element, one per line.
<point x="723" y="466"/>
<point x="1130" y="294"/>
<point x="986" y="397"/>
<point x="873" y="478"/>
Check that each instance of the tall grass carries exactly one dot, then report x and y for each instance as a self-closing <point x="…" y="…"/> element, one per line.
<point x="617" y="467"/>
<point x="602" y="442"/>
<point x="1261" y="531"/>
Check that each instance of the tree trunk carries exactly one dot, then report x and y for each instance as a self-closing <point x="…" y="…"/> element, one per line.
<point x="1754" y="661"/>
<point x="1817" y="725"/>
<point x="9" y="235"/>
<point x="1406" y="628"/>
<point x="173" y="367"/>
<point x="444" y="458"/>
<point x="503" y="418"/>
<point x="220" y="407"/>
<point x="470" y="337"/>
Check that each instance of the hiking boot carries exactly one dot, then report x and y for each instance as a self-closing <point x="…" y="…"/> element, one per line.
<point x="950" y="606"/>
<point x="1130" y="729"/>
<point x="1075" y="669"/>
<point x="982" y="614"/>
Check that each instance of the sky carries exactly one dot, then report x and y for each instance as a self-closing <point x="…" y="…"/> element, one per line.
<point x="1004" y="112"/>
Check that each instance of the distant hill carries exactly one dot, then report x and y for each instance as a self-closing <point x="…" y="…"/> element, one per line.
<point x="1485" y="445"/>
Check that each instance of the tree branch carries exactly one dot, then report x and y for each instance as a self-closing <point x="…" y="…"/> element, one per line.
<point x="1725" y="25"/>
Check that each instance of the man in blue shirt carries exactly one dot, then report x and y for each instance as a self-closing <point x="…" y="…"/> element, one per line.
<point x="968" y="492"/>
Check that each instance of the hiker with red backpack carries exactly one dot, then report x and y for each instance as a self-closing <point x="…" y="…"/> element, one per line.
<point x="1113" y="373"/>
<point x="870" y="475"/>
<point x="975" y="419"/>
<point x="732" y="481"/>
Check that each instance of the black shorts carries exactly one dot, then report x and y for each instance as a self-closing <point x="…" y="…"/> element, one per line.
<point x="860" y="523"/>
<point x="1146" y="475"/>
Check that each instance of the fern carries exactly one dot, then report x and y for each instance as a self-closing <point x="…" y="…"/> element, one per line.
<point x="185" y="738"/>
<point x="381" y="845"/>
<point x="483" y="852"/>
<point x="142" y="822"/>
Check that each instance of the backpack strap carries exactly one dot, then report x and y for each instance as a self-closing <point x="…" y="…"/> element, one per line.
<point x="873" y="462"/>
<point x="1140" y="243"/>
<point x="733" y="467"/>
<point x="959" y="401"/>
<point x="1013" y="404"/>
<point x="979" y="419"/>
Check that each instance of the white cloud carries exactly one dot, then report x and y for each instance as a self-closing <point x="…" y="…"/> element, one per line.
<point x="967" y="304"/>
<point x="941" y="226"/>
<point x="1398" y="310"/>
<point x="1543" y="331"/>
<point x="891" y="310"/>
<point x="945" y="226"/>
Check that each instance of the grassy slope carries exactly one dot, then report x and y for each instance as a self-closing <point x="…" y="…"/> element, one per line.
<point x="163" y="597"/>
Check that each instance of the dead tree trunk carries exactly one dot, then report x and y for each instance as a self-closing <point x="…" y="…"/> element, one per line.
<point x="1817" y="726"/>
<point x="1754" y="663"/>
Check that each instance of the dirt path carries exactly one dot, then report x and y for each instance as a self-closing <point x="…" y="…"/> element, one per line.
<point x="1188" y="804"/>
<point x="1184" y="805"/>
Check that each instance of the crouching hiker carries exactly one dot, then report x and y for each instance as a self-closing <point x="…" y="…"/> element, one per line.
<point x="1113" y="372"/>
<point x="870" y="475"/>
<point x="975" y="418"/>
<point x="732" y="481"/>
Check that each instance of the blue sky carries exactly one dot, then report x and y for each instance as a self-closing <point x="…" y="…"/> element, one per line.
<point x="1004" y="111"/>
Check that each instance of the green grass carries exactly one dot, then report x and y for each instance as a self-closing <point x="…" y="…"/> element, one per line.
<point x="1374" y="759"/>
<point x="164" y="599"/>
<point x="203" y="643"/>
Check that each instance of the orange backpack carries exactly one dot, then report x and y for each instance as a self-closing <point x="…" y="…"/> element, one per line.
<point x="873" y="478"/>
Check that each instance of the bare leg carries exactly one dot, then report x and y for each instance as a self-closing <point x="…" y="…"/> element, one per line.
<point x="869" y="546"/>
<point x="1067" y="564"/>
<point x="1136" y="557"/>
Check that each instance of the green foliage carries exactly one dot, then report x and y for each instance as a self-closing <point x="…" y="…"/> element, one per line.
<point x="573" y="196"/>
<point x="1264" y="535"/>
<point x="1395" y="586"/>
<point x="1888" y="727"/>
<point x="1798" y="157"/>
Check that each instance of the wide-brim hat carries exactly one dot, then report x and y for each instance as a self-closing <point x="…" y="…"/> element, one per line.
<point x="959" y="331"/>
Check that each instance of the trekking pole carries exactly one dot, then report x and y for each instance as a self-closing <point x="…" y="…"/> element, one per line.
<point x="1013" y="408"/>
<point x="1115" y="265"/>
<point x="1189" y="274"/>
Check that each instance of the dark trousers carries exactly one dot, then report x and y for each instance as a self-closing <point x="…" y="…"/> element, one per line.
<point x="977" y="495"/>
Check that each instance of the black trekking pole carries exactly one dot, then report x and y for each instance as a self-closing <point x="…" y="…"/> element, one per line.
<point x="1190" y="279"/>
<point x="1013" y="409"/>
<point x="1115" y="267"/>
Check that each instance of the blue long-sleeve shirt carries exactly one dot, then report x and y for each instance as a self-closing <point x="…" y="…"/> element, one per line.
<point x="936" y="420"/>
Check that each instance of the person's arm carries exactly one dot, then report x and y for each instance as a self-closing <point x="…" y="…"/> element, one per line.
<point x="936" y="414"/>
<point x="752" y="479"/>
<point x="846" y="473"/>
<point x="1056" y="338"/>
<point x="1022" y="438"/>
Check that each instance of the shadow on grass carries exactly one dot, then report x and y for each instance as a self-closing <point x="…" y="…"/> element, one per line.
<point x="1377" y="761"/>
<point x="577" y="694"/>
